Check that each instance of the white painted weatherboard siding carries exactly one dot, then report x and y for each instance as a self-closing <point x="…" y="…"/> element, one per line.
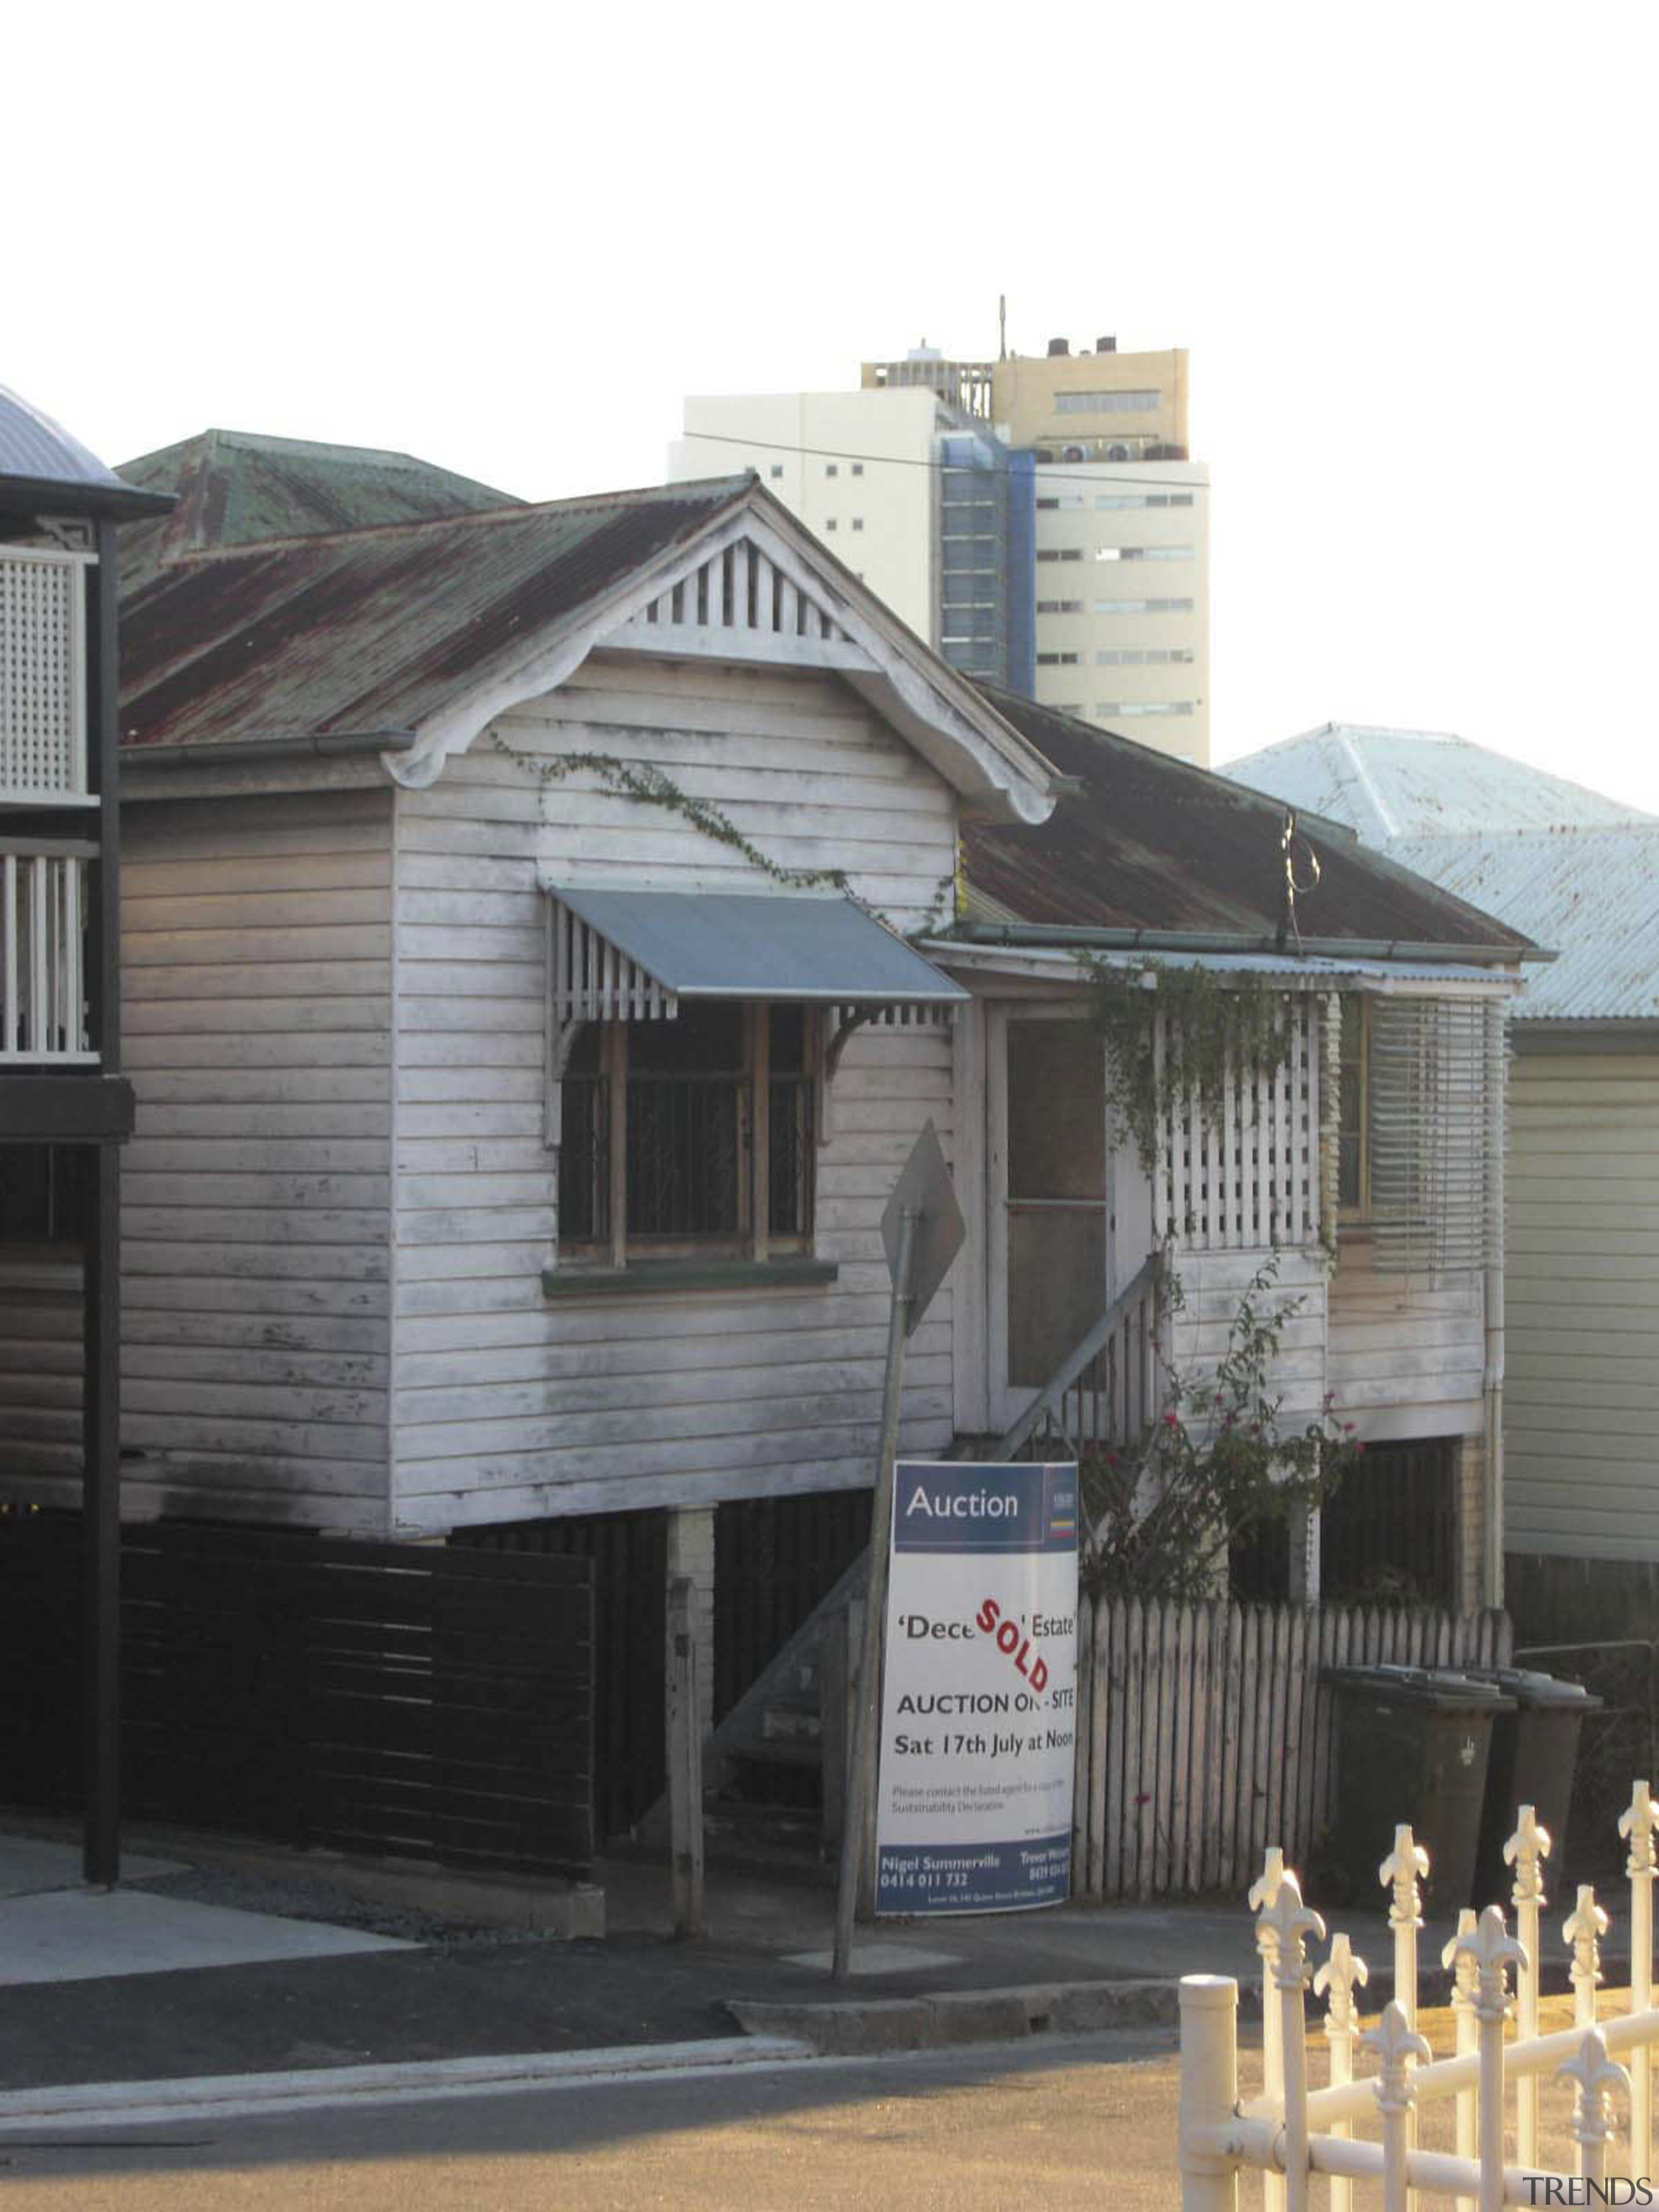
<point x="1582" y="1384"/>
<point x="1406" y="1352"/>
<point x="507" y="1406"/>
<point x="256" y="964"/>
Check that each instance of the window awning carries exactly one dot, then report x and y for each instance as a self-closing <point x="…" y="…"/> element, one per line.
<point x="622" y="955"/>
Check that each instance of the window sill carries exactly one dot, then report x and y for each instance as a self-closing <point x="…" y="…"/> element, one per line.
<point x="659" y="1275"/>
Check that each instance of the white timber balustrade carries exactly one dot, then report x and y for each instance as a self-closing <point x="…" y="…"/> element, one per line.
<point x="43" y="909"/>
<point x="1360" y="2128"/>
<point x="43" y="677"/>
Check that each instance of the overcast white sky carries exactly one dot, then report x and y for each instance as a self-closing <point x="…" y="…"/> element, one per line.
<point x="1410" y="249"/>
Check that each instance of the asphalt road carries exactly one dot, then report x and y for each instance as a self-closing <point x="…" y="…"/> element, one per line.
<point x="1086" y="2121"/>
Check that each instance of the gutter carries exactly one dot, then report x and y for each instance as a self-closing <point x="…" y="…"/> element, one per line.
<point x="1082" y="936"/>
<point x="318" y="745"/>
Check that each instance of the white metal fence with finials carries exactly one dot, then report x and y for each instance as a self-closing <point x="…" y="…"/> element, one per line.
<point x="1361" y="2128"/>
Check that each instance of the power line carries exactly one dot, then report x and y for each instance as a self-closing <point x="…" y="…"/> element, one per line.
<point x="1054" y="471"/>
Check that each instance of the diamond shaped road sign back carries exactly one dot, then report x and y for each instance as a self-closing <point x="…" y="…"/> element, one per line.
<point x="924" y="1190"/>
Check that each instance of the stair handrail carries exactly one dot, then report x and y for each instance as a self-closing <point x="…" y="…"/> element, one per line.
<point x="1147" y="1280"/>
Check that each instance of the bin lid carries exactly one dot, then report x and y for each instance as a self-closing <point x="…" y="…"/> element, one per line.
<point x="1443" y="1689"/>
<point x="1529" y="1686"/>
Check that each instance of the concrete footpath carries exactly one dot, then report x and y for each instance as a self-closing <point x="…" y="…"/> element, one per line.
<point x="211" y="1965"/>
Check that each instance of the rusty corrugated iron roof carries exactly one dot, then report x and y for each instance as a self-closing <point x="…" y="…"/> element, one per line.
<point x="236" y="488"/>
<point x="1149" y="843"/>
<point x="377" y="628"/>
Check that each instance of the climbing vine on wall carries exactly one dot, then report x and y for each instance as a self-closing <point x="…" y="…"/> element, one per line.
<point x="644" y="784"/>
<point x="1212" y="1033"/>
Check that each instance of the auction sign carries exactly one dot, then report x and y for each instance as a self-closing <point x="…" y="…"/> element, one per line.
<point x="979" y="1705"/>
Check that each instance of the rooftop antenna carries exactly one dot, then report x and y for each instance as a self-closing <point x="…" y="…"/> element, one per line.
<point x="1002" y="326"/>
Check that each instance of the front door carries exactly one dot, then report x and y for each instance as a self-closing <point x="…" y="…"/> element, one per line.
<point x="1050" y="1210"/>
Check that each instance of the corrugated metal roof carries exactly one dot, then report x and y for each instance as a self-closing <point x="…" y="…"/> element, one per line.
<point x="1313" y="967"/>
<point x="40" y="456"/>
<point x="1151" y="843"/>
<point x="237" y="489"/>
<point x="377" y="628"/>
<point x="728" y="945"/>
<point x="1590" y="893"/>
<point x="1386" y="784"/>
<point x="1576" y="871"/>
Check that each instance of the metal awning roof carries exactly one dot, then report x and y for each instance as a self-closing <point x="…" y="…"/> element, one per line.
<point x="630" y="951"/>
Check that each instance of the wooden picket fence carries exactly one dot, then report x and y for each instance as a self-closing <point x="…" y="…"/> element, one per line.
<point x="1205" y="1731"/>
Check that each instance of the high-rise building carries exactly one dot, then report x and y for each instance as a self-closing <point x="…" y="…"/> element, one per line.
<point x="1035" y="518"/>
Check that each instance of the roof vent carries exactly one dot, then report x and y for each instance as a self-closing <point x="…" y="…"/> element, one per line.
<point x="1106" y="345"/>
<point x="1057" y="347"/>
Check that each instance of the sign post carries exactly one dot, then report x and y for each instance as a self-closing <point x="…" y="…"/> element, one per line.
<point x="922" y="1230"/>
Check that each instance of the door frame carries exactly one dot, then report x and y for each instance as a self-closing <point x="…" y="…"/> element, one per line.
<point x="1006" y="1403"/>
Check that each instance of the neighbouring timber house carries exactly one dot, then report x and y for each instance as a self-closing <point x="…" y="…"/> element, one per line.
<point x="1580" y="872"/>
<point x="547" y="930"/>
<point x="65" y="1107"/>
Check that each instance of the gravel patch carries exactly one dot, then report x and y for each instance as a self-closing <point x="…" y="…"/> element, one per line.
<point x="307" y="1897"/>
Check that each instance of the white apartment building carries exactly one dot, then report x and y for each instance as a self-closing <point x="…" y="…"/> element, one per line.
<point x="1123" y="599"/>
<point x="857" y="467"/>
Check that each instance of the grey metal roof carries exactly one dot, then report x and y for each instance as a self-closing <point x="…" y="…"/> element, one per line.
<point x="727" y="945"/>
<point x="1591" y="892"/>
<point x="1574" y="870"/>
<point x="39" y="460"/>
<point x="1386" y="784"/>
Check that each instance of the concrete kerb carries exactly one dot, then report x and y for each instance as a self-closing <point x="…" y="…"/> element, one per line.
<point x="948" y="2017"/>
<point x="230" y="2096"/>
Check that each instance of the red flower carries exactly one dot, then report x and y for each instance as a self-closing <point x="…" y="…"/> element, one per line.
<point x="1172" y="1420"/>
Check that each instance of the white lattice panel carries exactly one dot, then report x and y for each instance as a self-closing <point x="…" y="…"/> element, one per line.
<point x="42" y="674"/>
<point x="1247" y="1175"/>
<point x="739" y="589"/>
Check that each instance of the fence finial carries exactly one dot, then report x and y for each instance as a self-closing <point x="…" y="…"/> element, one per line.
<point x="1291" y="1921"/>
<point x="1457" y="1957"/>
<point x="1336" y="1981"/>
<point x="1597" y="2076"/>
<point x="1637" y="1825"/>
<point x="1265" y="1888"/>
<point x="1394" y="2040"/>
<point x="1407" y="1864"/>
<point x="1493" y="1948"/>
<point x="1582" y="1927"/>
<point x="1526" y="1852"/>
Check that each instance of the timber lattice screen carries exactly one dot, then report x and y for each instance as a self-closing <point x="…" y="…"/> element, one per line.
<point x="1205" y="1732"/>
<point x="1247" y="1175"/>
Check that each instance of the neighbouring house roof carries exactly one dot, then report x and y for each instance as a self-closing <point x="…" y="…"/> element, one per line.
<point x="1148" y="844"/>
<point x="1576" y="871"/>
<point x="42" y="466"/>
<point x="1418" y="783"/>
<point x="236" y="488"/>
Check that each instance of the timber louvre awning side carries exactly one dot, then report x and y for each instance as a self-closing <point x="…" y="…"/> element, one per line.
<point x="618" y="956"/>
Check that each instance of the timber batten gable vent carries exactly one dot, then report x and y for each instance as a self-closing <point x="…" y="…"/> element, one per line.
<point x="739" y="588"/>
